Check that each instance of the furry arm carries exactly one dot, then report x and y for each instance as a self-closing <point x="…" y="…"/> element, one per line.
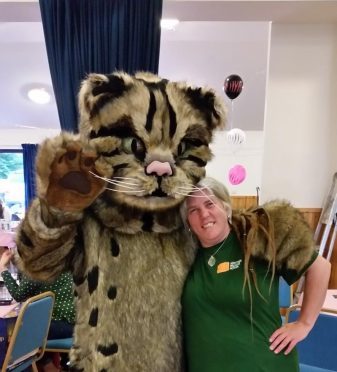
<point x="292" y="238"/>
<point x="46" y="248"/>
<point x="65" y="187"/>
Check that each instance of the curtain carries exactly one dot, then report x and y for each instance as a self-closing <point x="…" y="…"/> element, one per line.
<point x="101" y="36"/>
<point x="29" y="154"/>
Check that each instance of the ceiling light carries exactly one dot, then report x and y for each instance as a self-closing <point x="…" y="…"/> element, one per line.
<point x="169" y="23"/>
<point x="39" y="95"/>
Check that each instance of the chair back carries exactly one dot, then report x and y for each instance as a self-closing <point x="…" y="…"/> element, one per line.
<point x="318" y="349"/>
<point x="285" y="293"/>
<point x="30" y="332"/>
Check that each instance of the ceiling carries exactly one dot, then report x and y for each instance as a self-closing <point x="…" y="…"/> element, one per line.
<point x="213" y="40"/>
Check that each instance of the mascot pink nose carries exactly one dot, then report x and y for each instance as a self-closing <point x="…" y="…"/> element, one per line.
<point x="159" y="168"/>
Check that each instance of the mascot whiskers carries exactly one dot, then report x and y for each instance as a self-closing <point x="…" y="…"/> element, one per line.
<point x="107" y="209"/>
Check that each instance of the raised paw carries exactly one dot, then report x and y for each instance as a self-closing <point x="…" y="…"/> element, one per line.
<point x="72" y="184"/>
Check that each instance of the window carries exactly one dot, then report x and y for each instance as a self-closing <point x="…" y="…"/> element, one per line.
<point x="12" y="185"/>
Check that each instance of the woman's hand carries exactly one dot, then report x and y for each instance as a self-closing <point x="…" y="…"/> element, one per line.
<point x="5" y="259"/>
<point x="287" y="336"/>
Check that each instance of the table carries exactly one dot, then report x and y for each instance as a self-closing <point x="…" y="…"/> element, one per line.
<point x="330" y="301"/>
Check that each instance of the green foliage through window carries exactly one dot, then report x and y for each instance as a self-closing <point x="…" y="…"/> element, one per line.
<point x="9" y="162"/>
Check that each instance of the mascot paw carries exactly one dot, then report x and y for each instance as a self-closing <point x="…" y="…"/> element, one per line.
<point x="72" y="186"/>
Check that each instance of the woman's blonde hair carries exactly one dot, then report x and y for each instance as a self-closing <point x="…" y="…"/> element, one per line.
<point x="250" y="226"/>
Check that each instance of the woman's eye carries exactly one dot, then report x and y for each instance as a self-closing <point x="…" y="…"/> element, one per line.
<point x="132" y="145"/>
<point x="181" y="148"/>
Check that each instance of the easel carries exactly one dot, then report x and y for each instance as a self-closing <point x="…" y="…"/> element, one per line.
<point x="326" y="223"/>
<point x="327" y="220"/>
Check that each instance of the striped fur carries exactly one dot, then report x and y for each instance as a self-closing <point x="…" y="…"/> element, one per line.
<point x="127" y="251"/>
<point x="132" y="121"/>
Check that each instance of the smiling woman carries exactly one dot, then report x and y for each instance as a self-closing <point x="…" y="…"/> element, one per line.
<point x="236" y="271"/>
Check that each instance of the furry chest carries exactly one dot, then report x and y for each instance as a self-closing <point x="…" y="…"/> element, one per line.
<point x="132" y="291"/>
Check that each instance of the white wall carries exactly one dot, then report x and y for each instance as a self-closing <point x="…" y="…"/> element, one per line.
<point x="300" y="151"/>
<point x="235" y="47"/>
<point x="13" y="138"/>
<point x="206" y="53"/>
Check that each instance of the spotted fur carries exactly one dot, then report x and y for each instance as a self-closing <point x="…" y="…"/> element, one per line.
<point x="128" y="251"/>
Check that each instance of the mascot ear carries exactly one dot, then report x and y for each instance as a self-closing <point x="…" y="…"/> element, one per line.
<point x="98" y="89"/>
<point x="210" y="105"/>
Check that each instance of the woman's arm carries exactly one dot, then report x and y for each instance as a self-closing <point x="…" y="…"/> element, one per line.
<point x="315" y="287"/>
<point x="20" y="292"/>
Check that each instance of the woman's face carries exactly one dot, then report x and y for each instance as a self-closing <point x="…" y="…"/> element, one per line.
<point x="207" y="218"/>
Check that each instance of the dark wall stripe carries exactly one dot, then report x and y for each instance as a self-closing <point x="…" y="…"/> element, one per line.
<point x="108" y="350"/>
<point x="93" y="319"/>
<point x="93" y="279"/>
<point x="114" y="247"/>
<point x="148" y="221"/>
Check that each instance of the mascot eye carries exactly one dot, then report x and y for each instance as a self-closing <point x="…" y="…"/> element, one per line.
<point x="132" y="145"/>
<point x="181" y="148"/>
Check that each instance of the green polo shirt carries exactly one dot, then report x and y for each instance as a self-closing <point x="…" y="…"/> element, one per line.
<point x="221" y="334"/>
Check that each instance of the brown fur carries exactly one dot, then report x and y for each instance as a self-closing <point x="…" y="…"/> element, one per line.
<point x="127" y="249"/>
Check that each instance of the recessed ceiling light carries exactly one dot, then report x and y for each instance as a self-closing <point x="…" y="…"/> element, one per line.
<point x="39" y="95"/>
<point x="169" y="23"/>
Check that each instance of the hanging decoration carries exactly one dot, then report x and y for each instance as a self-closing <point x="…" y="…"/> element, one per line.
<point x="233" y="86"/>
<point x="237" y="174"/>
<point x="236" y="136"/>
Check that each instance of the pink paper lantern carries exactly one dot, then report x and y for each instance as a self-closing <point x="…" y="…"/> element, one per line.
<point x="237" y="174"/>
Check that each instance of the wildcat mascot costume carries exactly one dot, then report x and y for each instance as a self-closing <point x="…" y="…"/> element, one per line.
<point x="122" y="239"/>
<point x="108" y="211"/>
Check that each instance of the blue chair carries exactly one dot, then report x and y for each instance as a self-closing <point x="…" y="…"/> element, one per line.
<point x="285" y="297"/>
<point x="60" y="346"/>
<point x="317" y="352"/>
<point x="27" y="343"/>
<point x="285" y="293"/>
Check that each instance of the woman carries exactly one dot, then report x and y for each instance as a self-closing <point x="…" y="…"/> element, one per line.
<point x="63" y="317"/>
<point x="230" y="300"/>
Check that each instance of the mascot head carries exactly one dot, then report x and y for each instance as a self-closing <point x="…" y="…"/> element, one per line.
<point x="152" y="133"/>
